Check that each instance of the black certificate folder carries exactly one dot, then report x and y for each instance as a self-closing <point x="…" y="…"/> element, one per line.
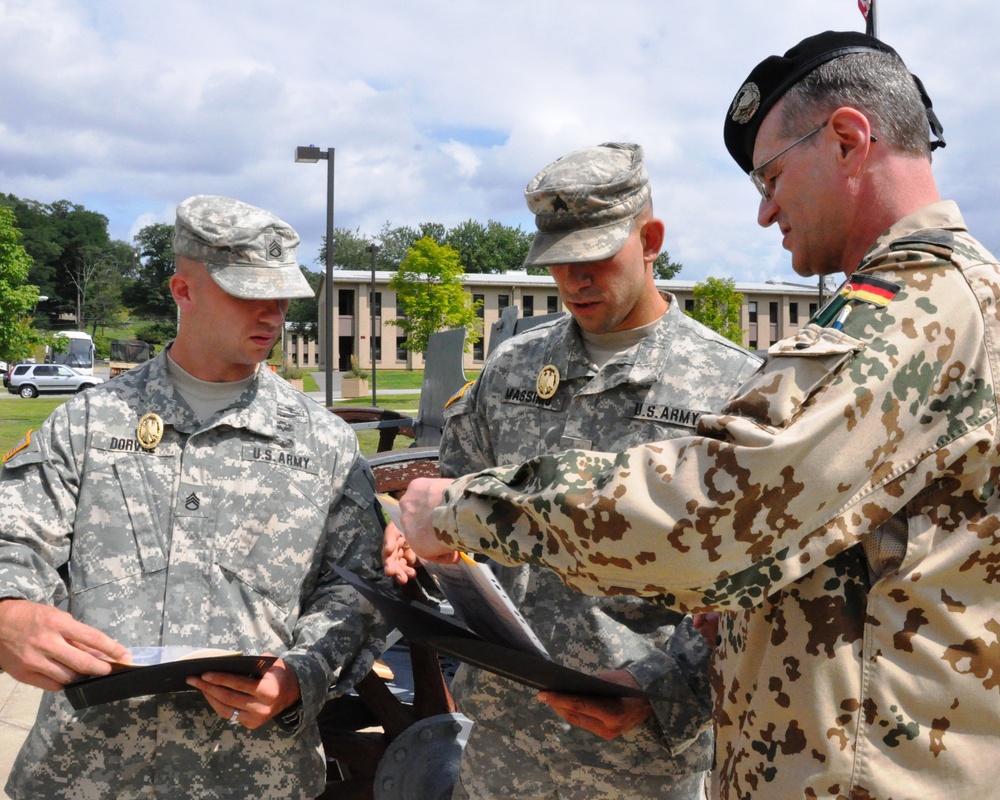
<point x="421" y="624"/>
<point x="135" y="681"/>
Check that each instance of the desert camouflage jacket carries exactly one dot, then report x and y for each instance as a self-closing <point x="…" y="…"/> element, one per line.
<point x="850" y="669"/>
<point x="223" y="535"/>
<point x="654" y="391"/>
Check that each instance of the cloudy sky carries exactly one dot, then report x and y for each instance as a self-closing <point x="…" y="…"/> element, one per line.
<point x="442" y="110"/>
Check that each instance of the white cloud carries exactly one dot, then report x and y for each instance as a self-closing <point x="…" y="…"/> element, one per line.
<point x="443" y="110"/>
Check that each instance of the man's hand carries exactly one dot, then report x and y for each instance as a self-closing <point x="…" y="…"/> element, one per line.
<point x="608" y="717"/>
<point x="417" y="505"/>
<point x="400" y="561"/>
<point x="45" y="647"/>
<point x="256" y="700"/>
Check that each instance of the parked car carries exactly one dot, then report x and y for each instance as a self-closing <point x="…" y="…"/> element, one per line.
<point x="31" y="380"/>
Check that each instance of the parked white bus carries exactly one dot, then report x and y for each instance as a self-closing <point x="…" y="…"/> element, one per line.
<point x="78" y="353"/>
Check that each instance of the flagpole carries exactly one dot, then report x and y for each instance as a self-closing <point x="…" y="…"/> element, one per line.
<point x="871" y="27"/>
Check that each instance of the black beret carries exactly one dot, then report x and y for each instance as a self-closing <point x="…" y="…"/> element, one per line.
<point x="775" y="75"/>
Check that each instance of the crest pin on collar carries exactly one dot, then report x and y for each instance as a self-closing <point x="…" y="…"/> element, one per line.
<point x="149" y="431"/>
<point x="548" y="381"/>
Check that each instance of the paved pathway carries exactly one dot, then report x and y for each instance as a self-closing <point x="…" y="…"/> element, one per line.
<point x="18" y="704"/>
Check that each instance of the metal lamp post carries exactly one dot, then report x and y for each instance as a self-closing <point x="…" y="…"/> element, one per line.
<point x="310" y="155"/>
<point x="373" y="249"/>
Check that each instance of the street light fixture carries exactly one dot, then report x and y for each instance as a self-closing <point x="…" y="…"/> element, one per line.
<point x="373" y="249"/>
<point x="310" y="155"/>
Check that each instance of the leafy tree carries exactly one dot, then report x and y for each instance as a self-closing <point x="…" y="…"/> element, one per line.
<point x="99" y="281"/>
<point x="664" y="268"/>
<point x="395" y="243"/>
<point x="39" y="238"/>
<point x="17" y="298"/>
<point x="492" y="248"/>
<point x="83" y="238"/>
<point x="146" y="290"/>
<point x="303" y="312"/>
<point x="64" y="240"/>
<point x="429" y="291"/>
<point x="717" y="305"/>
<point x="156" y="332"/>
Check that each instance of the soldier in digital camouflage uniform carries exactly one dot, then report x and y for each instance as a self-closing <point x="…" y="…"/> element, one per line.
<point x="627" y="367"/>
<point x="197" y="500"/>
<point x="844" y="504"/>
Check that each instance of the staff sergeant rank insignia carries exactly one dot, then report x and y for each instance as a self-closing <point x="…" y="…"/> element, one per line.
<point x="548" y="382"/>
<point x="149" y="431"/>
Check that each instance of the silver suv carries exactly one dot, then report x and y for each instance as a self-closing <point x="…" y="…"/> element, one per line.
<point x="31" y="380"/>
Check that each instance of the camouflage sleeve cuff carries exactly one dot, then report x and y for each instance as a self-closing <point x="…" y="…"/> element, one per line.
<point x="678" y="675"/>
<point x="312" y="692"/>
<point x="290" y="719"/>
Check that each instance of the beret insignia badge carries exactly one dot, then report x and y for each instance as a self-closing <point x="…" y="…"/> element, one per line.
<point x="745" y="104"/>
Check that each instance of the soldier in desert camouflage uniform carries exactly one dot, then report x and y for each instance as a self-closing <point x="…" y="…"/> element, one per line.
<point x="197" y="500"/>
<point x="627" y="367"/>
<point x="845" y="503"/>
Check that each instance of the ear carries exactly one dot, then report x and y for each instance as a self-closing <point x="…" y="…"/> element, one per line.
<point x="180" y="288"/>
<point x="853" y="133"/>
<point x="651" y="235"/>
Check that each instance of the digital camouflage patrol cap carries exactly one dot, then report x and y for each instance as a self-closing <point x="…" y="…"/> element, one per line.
<point x="585" y="203"/>
<point x="775" y="75"/>
<point x="249" y="252"/>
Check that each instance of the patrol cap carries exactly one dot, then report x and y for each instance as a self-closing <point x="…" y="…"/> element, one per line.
<point x="775" y="75"/>
<point x="249" y="252"/>
<point x="585" y="202"/>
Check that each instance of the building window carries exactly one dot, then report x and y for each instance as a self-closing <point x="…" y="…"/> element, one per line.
<point x="345" y="303"/>
<point x="400" y="349"/>
<point x="552" y="304"/>
<point x="813" y="308"/>
<point x="528" y="303"/>
<point x="752" y="309"/>
<point x="689" y="305"/>
<point x="478" y="351"/>
<point x="305" y="358"/>
<point x="378" y="348"/>
<point x="793" y="313"/>
<point x="479" y="301"/>
<point x="503" y="300"/>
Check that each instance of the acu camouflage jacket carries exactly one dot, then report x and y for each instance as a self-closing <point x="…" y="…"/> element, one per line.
<point x="656" y="390"/>
<point x="223" y="535"/>
<point x="839" y="675"/>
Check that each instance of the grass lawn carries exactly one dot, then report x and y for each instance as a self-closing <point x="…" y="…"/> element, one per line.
<point x="17" y="416"/>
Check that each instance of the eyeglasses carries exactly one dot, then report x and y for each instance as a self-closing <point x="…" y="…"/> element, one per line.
<point x="756" y="174"/>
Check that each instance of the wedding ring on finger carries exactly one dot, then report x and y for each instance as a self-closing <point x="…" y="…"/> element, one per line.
<point x="235" y="717"/>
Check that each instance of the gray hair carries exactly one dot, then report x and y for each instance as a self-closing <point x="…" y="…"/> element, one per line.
<point x="876" y="84"/>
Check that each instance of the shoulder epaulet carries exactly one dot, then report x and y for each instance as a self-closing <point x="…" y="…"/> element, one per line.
<point x="24" y="443"/>
<point x="927" y="241"/>
<point x="458" y="395"/>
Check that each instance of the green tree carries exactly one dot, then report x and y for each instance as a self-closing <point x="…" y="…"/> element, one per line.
<point x="303" y="312"/>
<point x="103" y="304"/>
<point x="429" y="292"/>
<point x="17" y="298"/>
<point x="492" y="248"/>
<point x="155" y="333"/>
<point x="65" y="240"/>
<point x="664" y="268"/>
<point x="717" y="305"/>
<point x="146" y="289"/>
